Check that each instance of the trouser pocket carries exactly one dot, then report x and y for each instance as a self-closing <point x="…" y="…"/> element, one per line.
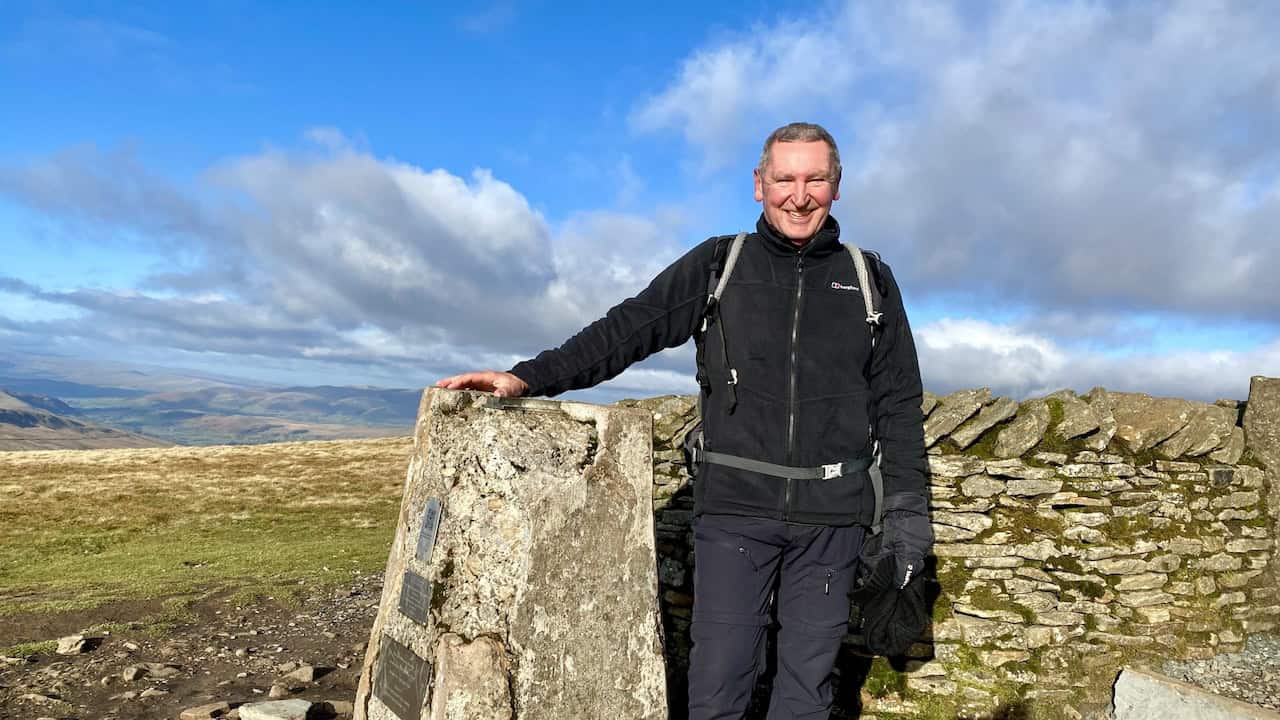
<point x="815" y="587"/>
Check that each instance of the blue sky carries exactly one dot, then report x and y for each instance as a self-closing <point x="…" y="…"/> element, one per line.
<point x="1071" y="193"/>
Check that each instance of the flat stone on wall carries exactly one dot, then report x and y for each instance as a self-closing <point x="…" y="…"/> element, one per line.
<point x="522" y="582"/>
<point x="1144" y="695"/>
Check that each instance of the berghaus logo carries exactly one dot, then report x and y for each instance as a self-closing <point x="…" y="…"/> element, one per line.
<point x="838" y="286"/>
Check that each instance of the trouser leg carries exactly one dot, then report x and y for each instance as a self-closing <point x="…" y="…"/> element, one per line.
<point x="813" y="614"/>
<point x="735" y="564"/>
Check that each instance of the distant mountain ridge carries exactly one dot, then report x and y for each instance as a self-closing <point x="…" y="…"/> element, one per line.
<point x="196" y="408"/>
<point x="29" y="423"/>
<point x="38" y="402"/>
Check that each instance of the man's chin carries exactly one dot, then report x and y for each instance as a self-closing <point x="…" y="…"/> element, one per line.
<point x="799" y="232"/>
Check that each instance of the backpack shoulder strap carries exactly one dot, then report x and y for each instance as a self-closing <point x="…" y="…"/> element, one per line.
<point x="871" y="301"/>
<point x="870" y="291"/>
<point x="720" y="273"/>
<point x="734" y="251"/>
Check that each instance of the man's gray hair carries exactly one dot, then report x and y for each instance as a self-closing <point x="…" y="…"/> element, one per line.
<point x="802" y="132"/>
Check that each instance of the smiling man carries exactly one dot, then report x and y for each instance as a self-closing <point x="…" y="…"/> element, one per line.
<point x="798" y="384"/>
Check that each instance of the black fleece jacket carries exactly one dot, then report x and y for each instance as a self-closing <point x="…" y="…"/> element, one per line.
<point x="809" y="386"/>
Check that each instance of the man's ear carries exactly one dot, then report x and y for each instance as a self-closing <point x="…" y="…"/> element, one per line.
<point x="759" y="181"/>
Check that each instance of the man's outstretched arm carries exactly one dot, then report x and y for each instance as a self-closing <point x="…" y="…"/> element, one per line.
<point x="662" y="315"/>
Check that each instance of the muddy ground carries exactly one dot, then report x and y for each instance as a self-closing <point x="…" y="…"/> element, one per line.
<point x="223" y="649"/>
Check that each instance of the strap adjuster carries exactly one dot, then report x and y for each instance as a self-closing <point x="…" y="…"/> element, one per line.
<point x="832" y="471"/>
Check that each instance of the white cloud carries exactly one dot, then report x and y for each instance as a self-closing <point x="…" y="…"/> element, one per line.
<point x="1099" y="157"/>
<point x="967" y="353"/>
<point x="341" y="256"/>
<point x="721" y="91"/>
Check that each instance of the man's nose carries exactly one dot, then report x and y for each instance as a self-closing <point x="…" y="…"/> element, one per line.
<point x="800" y="194"/>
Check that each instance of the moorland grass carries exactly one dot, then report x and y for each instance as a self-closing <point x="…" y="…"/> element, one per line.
<point x="81" y="528"/>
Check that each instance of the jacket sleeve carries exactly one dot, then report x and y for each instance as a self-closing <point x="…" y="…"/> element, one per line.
<point x="663" y="315"/>
<point x="896" y="389"/>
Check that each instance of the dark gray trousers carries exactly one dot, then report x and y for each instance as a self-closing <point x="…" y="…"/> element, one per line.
<point x="737" y="562"/>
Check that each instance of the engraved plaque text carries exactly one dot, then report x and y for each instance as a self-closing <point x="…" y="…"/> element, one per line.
<point x="415" y="597"/>
<point x="427" y="535"/>
<point x="400" y="679"/>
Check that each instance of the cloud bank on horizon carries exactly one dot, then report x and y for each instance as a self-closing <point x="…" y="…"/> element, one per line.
<point x="1072" y="194"/>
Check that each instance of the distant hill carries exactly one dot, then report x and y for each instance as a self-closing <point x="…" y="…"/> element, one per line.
<point x="197" y="408"/>
<point x="37" y="422"/>
<point x="244" y="415"/>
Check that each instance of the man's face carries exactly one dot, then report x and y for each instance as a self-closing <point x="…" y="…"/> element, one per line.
<point x="797" y="188"/>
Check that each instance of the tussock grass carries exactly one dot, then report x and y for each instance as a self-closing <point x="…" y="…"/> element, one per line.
<point x="32" y="649"/>
<point x="80" y="528"/>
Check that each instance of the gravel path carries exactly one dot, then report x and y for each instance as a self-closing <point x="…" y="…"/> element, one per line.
<point x="1251" y="675"/>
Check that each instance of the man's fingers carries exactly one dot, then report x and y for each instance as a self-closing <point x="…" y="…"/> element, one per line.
<point x="469" y="381"/>
<point x="499" y="383"/>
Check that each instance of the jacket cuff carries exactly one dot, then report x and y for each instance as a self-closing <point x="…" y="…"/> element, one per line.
<point x="525" y="371"/>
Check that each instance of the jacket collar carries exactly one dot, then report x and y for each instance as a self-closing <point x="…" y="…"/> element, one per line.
<point x="825" y="242"/>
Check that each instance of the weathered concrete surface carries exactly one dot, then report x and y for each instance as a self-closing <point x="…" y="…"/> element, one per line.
<point x="538" y="599"/>
<point x="470" y="680"/>
<point x="1262" y="441"/>
<point x="1144" y="695"/>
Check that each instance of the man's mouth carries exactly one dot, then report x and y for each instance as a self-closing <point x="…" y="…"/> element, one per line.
<point x="799" y="215"/>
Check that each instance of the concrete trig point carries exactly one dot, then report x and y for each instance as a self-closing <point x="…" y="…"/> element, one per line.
<point x="522" y="580"/>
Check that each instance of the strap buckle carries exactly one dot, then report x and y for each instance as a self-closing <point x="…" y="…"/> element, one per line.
<point x="832" y="471"/>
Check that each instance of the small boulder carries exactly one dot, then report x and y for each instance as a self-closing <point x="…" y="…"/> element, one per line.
<point x="205" y="712"/>
<point x="153" y="692"/>
<point x="162" y="670"/>
<point x="295" y="709"/>
<point x="304" y="674"/>
<point x="337" y="709"/>
<point x="72" y="645"/>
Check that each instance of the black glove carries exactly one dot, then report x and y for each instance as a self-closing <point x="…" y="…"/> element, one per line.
<point x="893" y="606"/>
<point x="907" y="535"/>
<point x="891" y="598"/>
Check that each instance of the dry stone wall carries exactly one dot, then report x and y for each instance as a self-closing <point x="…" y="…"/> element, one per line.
<point x="1075" y="534"/>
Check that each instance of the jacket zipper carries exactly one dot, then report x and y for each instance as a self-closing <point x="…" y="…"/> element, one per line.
<point x="791" y="399"/>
